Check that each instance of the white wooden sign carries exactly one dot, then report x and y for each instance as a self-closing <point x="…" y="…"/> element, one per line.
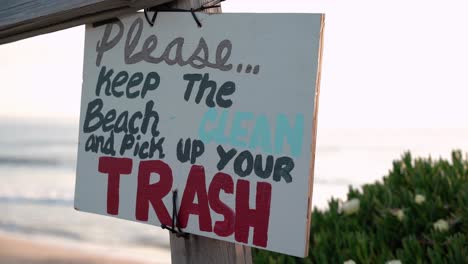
<point x="225" y="114"/>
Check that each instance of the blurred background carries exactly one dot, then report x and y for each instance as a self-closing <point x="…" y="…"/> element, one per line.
<point x="394" y="79"/>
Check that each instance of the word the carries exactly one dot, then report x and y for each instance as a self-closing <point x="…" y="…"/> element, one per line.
<point x="226" y="89"/>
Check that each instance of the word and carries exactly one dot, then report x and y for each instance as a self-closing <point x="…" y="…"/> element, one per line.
<point x="130" y="143"/>
<point x="196" y="199"/>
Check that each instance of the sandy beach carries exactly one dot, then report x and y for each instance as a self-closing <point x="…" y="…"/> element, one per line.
<point x="15" y="250"/>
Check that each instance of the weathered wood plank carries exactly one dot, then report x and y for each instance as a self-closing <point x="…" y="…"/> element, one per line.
<point x="203" y="250"/>
<point x="21" y="19"/>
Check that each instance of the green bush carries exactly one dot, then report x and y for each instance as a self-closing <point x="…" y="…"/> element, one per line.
<point x="419" y="214"/>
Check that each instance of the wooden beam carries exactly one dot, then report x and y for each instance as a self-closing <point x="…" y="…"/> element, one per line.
<point x="21" y="19"/>
<point x="203" y="250"/>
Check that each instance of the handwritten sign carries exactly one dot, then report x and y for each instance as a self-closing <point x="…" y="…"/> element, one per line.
<point x="225" y="114"/>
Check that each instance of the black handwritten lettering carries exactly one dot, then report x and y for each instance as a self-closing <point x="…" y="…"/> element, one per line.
<point x="206" y="84"/>
<point x="183" y="150"/>
<point x="134" y="81"/>
<point x="157" y="146"/>
<point x="228" y="88"/>
<point x="283" y="167"/>
<point x="258" y="168"/>
<point x="190" y="150"/>
<point x="151" y="83"/>
<point x="121" y="123"/>
<point x="93" y="112"/>
<point x="111" y="121"/>
<point x="192" y="78"/>
<point x="150" y="113"/>
<point x="120" y="79"/>
<point x="197" y="150"/>
<point x="96" y="144"/>
<point x="142" y="149"/>
<point x="127" y="143"/>
<point x="131" y="124"/>
<point x="224" y="157"/>
<point x="111" y="83"/>
<point x="245" y="157"/>
<point x="104" y="79"/>
<point x="105" y="44"/>
<point x="215" y="96"/>
<point x="108" y="119"/>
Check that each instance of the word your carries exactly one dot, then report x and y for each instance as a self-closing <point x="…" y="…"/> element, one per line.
<point x="251" y="131"/>
<point x="244" y="164"/>
<point x="199" y="58"/>
<point x="196" y="199"/>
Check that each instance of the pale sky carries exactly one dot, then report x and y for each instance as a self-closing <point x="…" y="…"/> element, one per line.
<point x="395" y="64"/>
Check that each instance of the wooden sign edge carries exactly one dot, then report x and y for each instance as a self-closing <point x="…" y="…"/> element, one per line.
<point x="311" y="164"/>
<point x="314" y="133"/>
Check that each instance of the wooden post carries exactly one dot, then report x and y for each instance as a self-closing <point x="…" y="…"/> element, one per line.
<point x="28" y="18"/>
<point x="197" y="249"/>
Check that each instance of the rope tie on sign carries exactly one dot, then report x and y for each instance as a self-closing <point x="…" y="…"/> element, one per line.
<point x="167" y="8"/>
<point x="178" y="231"/>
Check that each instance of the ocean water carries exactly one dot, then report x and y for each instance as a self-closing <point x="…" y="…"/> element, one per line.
<point x="37" y="176"/>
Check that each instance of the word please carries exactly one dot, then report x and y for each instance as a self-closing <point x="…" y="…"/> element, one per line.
<point x="196" y="199"/>
<point x="152" y="52"/>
